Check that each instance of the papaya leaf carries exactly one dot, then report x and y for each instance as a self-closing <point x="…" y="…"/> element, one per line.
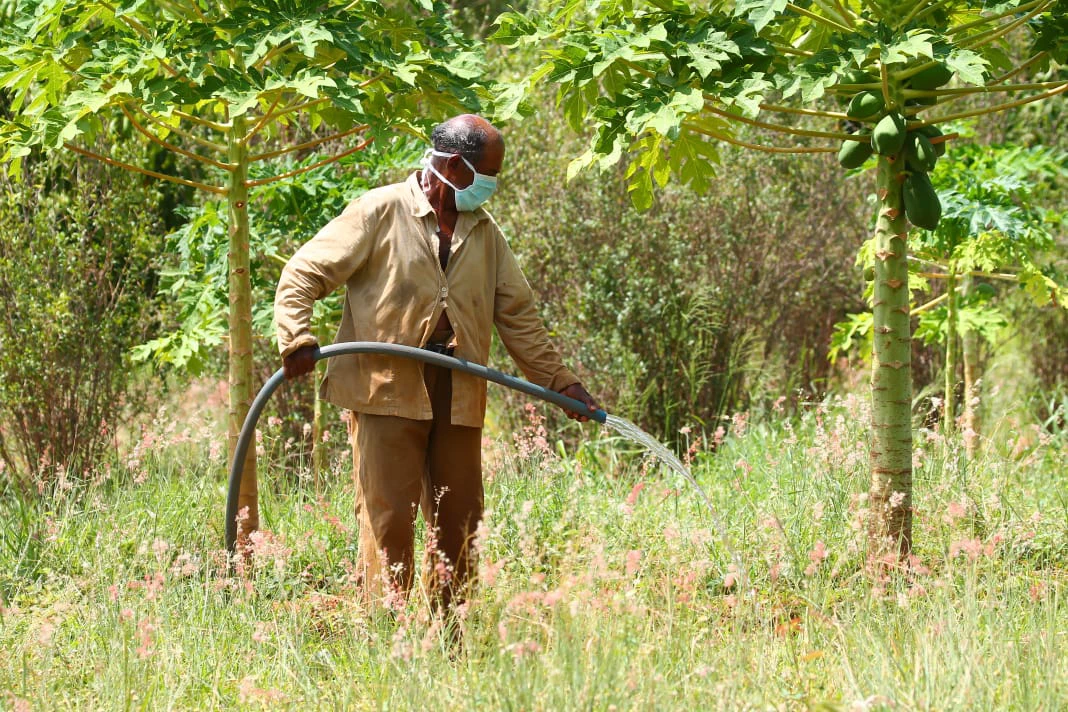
<point x="760" y="12"/>
<point x="915" y="43"/>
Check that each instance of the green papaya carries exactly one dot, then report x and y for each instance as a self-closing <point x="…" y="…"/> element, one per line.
<point x="922" y="206"/>
<point x="922" y="101"/>
<point x="852" y="154"/>
<point x="869" y="274"/>
<point x="919" y="153"/>
<point x="888" y="138"/>
<point x="858" y="76"/>
<point x="934" y="132"/>
<point x="985" y="291"/>
<point x="931" y="78"/>
<point x="865" y="105"/>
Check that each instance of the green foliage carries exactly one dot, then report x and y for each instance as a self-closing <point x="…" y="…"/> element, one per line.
<point x="76" y="245"/>
<point x="701" y="305"/>
<point x="385" y="64"/>
<point x="665" y="77"/>
<point x="283" y="215"/>
<point x="991" y="223"/>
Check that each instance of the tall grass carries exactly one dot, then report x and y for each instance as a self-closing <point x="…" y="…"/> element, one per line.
<point x="603" y="584"/>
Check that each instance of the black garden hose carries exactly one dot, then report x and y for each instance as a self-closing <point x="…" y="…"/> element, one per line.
<point x="248" y="430"/>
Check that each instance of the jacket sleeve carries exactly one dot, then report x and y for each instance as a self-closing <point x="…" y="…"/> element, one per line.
<point x="521" y="328"/>
<point x="317" y="269"/>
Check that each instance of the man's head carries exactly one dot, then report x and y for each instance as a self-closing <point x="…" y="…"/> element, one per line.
<point x="473" y="138"/>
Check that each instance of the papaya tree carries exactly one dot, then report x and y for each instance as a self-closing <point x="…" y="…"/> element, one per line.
<point x="220" y="85"/>
<point x="665" y="83"/>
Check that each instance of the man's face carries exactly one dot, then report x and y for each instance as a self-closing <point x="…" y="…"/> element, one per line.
<point x="490" y="164"/>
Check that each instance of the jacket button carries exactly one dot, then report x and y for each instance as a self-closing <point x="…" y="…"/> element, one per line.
<point x="444" y="291"/>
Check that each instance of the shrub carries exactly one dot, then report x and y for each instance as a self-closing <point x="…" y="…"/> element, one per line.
<point x="76" y="241"/>
<point x="700" y="306"/>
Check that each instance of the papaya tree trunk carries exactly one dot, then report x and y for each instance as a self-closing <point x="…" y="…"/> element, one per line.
<point x="970" y="356"/>
<point x="319" y="448"/>
<point x="890" y="497"/>
<point x="240" y="287"/>
<point x="949" y="409"/>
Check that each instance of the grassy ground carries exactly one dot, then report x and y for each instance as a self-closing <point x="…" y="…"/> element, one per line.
<point x="604" y="585"/>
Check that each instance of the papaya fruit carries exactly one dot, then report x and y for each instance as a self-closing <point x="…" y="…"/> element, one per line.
<point x="888" y="138"/>
<point x="919" y="153"/>
<point x="852" y="154"/>
<point x="922" y="101"/>
<point x="985" y="291"/>
<point x="865" y="105"/>
<point x="922" y="207"/>
<point x="869" y="274"/>
<point x="931" y="78"/>
<point x="858" y="76"/>
<point x="934" y="132"/>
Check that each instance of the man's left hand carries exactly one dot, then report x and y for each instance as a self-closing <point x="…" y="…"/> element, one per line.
<point x="576" y="391"/>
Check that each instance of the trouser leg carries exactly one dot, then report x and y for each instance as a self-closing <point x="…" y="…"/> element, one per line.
<point x="453" y="495"/>
<point x="391" y="457"/>
<point x="368" y="565"/>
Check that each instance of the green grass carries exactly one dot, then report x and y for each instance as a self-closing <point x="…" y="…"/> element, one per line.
<point x="596" y="594"/>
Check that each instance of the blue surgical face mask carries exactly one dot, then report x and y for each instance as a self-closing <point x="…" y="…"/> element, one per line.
<point x="474" y="195"/>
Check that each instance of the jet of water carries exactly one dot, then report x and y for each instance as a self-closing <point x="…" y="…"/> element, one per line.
<point x="632" y="432"/>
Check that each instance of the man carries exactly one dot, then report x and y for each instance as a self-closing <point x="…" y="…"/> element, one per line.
<point x="424" y="265"/>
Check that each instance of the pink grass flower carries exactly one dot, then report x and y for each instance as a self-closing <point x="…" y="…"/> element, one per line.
<point x="817" y="556"/>
<point x="634" y="557"/>
<point x="973" y="548"/>
<point x="146" y="636"/>
<point x="634" y="492"/>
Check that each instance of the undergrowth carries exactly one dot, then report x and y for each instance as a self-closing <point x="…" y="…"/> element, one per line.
<point x="603" y="584"/>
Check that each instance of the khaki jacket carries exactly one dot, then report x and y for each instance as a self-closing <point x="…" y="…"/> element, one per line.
<point x="384" y="248"/>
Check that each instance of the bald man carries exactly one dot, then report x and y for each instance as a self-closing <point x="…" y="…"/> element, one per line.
<point x="424" y="265"/>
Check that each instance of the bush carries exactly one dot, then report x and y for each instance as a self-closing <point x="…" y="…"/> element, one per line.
<point x="75" y="276"/>
<point x="703" y="304"/>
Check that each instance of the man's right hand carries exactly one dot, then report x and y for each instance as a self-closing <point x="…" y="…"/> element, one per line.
<point x="300" y="361"/>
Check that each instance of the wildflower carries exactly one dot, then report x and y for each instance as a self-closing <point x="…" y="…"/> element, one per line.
<point x="1037" y="591"/>
<point x="46" y="632"/>
<point x="634" y="557"/>
<point x="634" y="492"/>
<point x="954" y="511"/>
<point x="160" y="547"/>
<point x="739" y="423"/>
<point x="274" y="421"/>
<point x="523" y="648"/>
<point x="817" y="555"/>
<point x="731" y="579"/>
<point x="126" y="614"/>
<point x="897" y="499"/>
<point x="146" y="629"/>
<point x="972" y="547"/>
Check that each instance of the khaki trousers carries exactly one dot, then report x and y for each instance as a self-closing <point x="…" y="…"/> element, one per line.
<point x="403" y="466"/>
